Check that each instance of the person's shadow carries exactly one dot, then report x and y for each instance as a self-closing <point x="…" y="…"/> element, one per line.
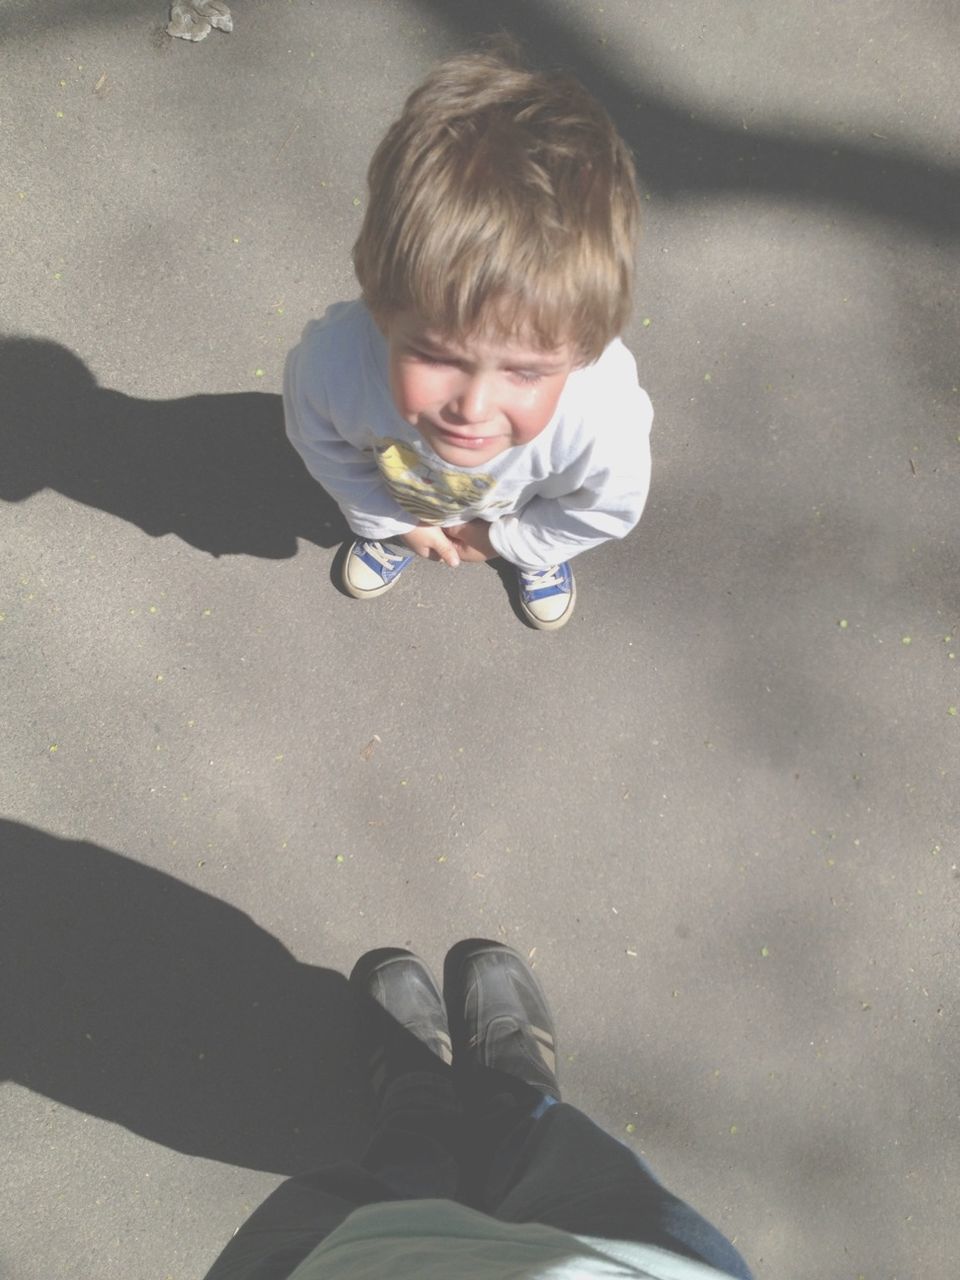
<point x="131" y="996"/>
<point x="216" y="470"/>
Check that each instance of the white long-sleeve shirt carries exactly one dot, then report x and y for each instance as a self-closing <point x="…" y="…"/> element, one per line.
<point x="582" y="481"/>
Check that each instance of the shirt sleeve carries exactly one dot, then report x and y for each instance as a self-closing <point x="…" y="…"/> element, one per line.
<point x="608" y="486"/>
<point x="346" y="470"/>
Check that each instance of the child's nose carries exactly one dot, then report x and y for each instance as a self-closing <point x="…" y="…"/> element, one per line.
<point x="473" y="399"/>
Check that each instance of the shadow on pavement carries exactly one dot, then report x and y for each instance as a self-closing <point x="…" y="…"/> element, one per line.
<point x="134" y="997"/>
<point x="216" y="470"/>
<point x="679" y="155"/>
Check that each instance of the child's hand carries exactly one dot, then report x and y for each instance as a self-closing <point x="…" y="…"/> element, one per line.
<point x="431" y="541"/>
<point x="472" y="541"/>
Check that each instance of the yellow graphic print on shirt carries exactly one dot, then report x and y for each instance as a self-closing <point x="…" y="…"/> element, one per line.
<point x="429" y="493"/>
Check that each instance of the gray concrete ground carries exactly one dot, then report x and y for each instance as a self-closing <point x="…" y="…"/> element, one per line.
<point x="719" y="810"/>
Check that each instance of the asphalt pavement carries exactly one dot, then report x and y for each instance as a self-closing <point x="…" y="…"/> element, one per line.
<point x="718" y="811"/>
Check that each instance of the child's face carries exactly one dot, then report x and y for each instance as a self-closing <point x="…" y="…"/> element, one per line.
<point x="472" y="401"/>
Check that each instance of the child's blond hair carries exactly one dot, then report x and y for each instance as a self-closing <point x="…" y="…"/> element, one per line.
<point x="502" y="199"/>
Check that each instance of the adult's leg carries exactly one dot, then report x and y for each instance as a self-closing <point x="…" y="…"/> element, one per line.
<point x="293" y="1220"/>
<point x="561" y="1169"/>
<point x="414" y="1149"/>
<point x="414" y="1152"/>
<point x="535" y="1159"/>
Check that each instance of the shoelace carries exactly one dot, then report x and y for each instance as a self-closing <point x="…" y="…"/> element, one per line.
<point x="537" y="579"/>
<point x="378" y="552"/>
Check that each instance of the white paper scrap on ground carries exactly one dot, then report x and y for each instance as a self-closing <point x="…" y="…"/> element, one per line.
<point x="193" y="19"/>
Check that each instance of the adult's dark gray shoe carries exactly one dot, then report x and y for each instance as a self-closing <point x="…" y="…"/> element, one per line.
<point x="415" y="1035"/>
<point x="499" y="1016"/>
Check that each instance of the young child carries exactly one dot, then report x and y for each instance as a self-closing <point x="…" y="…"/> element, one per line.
<point x="477" y="402"/>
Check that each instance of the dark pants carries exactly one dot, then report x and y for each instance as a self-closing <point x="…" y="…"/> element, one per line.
<point x="511" y="1153"/>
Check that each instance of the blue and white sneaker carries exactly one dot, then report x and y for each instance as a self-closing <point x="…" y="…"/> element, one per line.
<point x="547" y="596"/>
<point x="371" y="568"/>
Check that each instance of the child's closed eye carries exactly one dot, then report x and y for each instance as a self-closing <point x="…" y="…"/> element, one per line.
<point x="430" y="357"/>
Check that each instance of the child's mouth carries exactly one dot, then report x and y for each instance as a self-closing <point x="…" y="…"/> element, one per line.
<point x="463" y="441"/>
